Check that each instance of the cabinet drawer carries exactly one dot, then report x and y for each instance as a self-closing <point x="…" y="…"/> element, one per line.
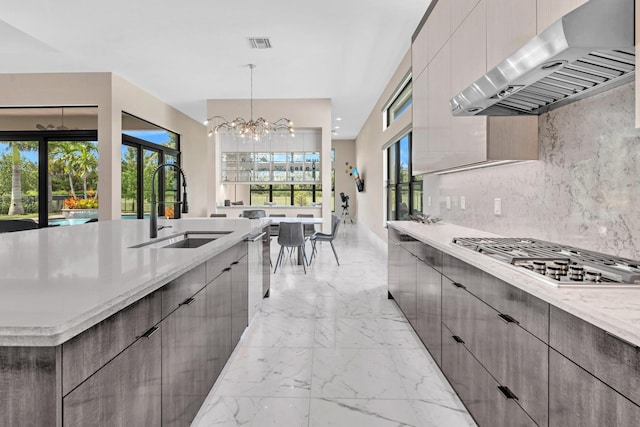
<point x="407" y="286"/>
<point x="531" y="312"/>
<point x="179" y="290"/>
<point x="577" y="398"/>
<point x="126" y="392"/>
<point x="514" y="357"/>
<point x="86" y="353"/>
<point x="217" y="264"/>
<point x="477" y="388"/>
<point x="610" y="359"/>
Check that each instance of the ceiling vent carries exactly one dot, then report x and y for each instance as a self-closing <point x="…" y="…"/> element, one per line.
<point x="260" y="42"/>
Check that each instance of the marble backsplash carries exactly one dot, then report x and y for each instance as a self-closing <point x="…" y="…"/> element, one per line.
<point x="584" y="190"/>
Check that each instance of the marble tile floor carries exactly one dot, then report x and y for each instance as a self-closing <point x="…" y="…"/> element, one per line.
<point x="329" y="349"/>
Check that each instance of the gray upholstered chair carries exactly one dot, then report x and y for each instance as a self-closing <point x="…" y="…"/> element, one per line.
<point x="291" y="235"/>
<point x="274" y="228"/>
<point x="253" y="213"/>
<point x="323" y="237"/>
<point x="309" y="229"/>
<point x="217" y="215"/>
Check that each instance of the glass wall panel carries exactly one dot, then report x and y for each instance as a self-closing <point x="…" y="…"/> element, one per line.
<point x="281" y="194"/>
<point x="150" y="162"/>
<point x="19" y="181"/>
<point x="129" y="186"/>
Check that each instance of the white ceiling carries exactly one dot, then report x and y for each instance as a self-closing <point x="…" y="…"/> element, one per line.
<point x="185" y="52"/>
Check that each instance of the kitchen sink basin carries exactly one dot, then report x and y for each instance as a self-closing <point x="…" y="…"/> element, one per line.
<point x="186" y="240"/>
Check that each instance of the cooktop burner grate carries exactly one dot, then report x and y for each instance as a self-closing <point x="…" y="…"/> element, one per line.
<point x="523" y="252"/>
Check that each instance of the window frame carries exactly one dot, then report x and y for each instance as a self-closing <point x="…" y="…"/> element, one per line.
<point x="316" y="190"/>
<point x="395" y="186"/>
<point x="401" y="99"/>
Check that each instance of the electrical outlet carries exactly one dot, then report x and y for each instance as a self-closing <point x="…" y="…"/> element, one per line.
<point x="448" y="201"/>
<point x="463" y="203"/>
<point x="497" y="206"/>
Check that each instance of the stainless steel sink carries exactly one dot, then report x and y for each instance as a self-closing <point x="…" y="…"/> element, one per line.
<point x="186" y="240"/>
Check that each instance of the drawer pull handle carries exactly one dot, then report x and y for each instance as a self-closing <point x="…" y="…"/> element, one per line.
<point x="152" y="330"/>
<point x="459" y="285"/>
<point x="637" y="348"/>
<point x="224" y="270"/>
<point x="235" y="262"/>
<point x="458" y="339"/>
<point x="508" y="319"/>
<point x="188" y="301"/>
<point x="507" y="392"/>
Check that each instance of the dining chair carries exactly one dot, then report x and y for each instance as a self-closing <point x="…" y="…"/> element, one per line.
<point x="323" y="237"/>
<point x="274" y="228"/>
<point x="291" y="235"/>
<point x="217" y="215"/>
<point x="309" y="229"/>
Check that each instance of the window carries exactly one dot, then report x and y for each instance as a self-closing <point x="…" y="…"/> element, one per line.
<point x="286" y="194"/>
<point x="44" y="172"/>
<point x="404" y="191"/>
<point x="144" y="147"/>
<point x="400" y="101"/>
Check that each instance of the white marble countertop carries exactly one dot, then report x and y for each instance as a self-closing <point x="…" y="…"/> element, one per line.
<point x="58" y="282"/>
<point x="268" y="207"/>
<point x="617" y="311"/>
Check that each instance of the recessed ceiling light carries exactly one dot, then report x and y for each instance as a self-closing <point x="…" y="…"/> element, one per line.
<point x="338" y="118"/>
<point x="337" y="127"/>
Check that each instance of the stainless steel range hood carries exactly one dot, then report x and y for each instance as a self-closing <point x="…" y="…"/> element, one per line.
<point x="587" y="51"/>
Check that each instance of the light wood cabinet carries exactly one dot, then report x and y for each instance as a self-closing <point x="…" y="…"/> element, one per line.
<point x="469" y="50"/>
<point x="419" y="149"/>
<point x="439" y="116"/>
<point x="419" y="56"/>
<point x="510" y="24"/>
<point x="438" y="28"/>
<point x="549" y="11"/>
<point x="460" y="9"/>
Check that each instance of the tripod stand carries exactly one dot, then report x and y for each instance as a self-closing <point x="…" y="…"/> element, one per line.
<point x="345" y="208"/>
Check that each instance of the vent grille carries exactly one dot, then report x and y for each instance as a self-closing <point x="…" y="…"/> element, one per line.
<point x="583" y="75"/>
<point x="260" y="42"/>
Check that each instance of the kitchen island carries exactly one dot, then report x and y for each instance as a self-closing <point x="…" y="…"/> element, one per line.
<point x="95" y="332"/>
<point x="517" y="350"/>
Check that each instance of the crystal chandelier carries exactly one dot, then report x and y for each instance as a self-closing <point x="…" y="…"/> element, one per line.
<point x="253" y="129"/>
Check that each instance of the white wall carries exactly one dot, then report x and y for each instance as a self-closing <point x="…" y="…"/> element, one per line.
<point x="305" y="113"/>
<point x="113" y="95"/>
<point x="345" y="150"/>
<point x="370" y="159"/>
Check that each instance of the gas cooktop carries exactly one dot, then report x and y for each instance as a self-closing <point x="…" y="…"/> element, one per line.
<point x="556" y="264"/>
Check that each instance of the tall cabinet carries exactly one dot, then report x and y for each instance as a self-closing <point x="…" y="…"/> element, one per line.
<point x="454" y="47"/>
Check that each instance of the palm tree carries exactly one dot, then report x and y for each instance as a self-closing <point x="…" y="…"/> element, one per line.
<point x="65" y="156"/>
<point x="86" y="162"/>
<point x="15" y="207"/>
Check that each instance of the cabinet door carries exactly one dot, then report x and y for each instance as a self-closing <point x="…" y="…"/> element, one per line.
<point x="407" y="299"/>
<point x="429" y="309"/>
<point x="393" y="269"/>
<point x="510" y="24"/>
<point x="440" y="155"/>
<point x="219" y="324"/>
<point x="577" y="398"/>
<point x="177" y="291"/>
<point x="125" y="392"/>
<point x="419" y="150"/>
<point x="460" y="9"/>
<point x="419" y="55"/>
<point x="438" y="28"/>
<point x="239" y="298"/>
<point x="477" y="389"/>
<point x="184" y="361"/>
<point x="614" y="361"/>
<point x="266" y="262"/>
<point x="549" y="11"/>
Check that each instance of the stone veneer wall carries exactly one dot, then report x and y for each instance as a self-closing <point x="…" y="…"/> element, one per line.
<point x="584" y="190"/>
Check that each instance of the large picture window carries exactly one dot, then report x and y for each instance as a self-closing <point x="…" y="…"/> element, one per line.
<point x="286" y="194"/>
<point x="400" y="101"/>
<point x="44" y="174"/>
<point x="404" y="191"/>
